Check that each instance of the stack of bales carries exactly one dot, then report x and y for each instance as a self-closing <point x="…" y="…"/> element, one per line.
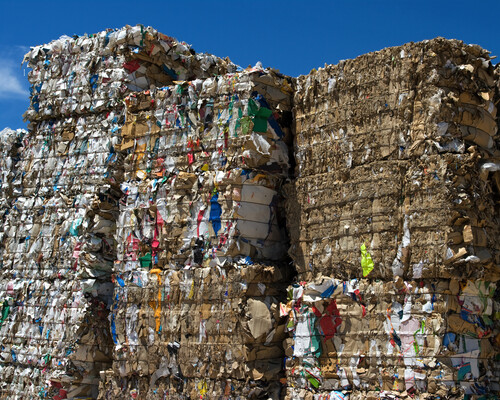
<point x="393" y="219"/>
<point x="199" y="272"/>
<point x="143" y="243"/>
<point x="59" y="225"/>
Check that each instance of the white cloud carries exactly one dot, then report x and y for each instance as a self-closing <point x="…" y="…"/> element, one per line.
<point x="10" y="82"/>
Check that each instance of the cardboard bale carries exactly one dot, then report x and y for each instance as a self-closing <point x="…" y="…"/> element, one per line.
<point x="422" y="173"/>
<point x="92" y="73"/>
<point x="396" y="153"/>
<point x="398" y="338"/>
<point x="56" y="255"/>
<point x="60" y="204"/>
<point x="203" y="165"/>
<point x="143" y="242"/>
<point x="218" y="325"/>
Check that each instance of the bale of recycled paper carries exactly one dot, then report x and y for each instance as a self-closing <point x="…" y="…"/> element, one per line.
<point x="396" y="163"/>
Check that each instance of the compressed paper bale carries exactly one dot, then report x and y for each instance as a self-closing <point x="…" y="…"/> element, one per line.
<point x="422" y="122"/>
<point x="76" y="158"/>
<point x="389" y="150"/>
<point x="414" y="331"/>
<point x="420" y="116"/>
<point x="209" y="334"/>
<point x="208" y="193"/>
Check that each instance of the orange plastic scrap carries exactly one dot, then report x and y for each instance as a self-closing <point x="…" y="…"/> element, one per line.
<point x="156" y="305"/>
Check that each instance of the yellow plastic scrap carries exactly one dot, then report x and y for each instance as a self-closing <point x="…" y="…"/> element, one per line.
<point x="258" y="178"/>
<point x="156" y="306"/>
<point x="366" y="261"/>
<point x="203" y="387"/>
<point x="191" y="292"/>
<point x="140" y="151"/>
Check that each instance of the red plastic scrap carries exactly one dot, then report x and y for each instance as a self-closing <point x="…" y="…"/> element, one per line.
<point x="331" y="320"/>
<point x="132" y="66"/>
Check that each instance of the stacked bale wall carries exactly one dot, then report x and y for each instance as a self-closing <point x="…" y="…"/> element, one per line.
<point x="143" y="240"/>
<point x="61" y="206"/>
<point x="393" y="217"/>
<point x="200" y="248"/>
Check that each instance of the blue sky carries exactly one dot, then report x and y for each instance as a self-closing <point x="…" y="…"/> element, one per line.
<point x="292" y="36"/>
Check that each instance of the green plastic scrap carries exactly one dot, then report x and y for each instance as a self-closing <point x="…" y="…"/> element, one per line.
<point x="253" y="108"/>
<point x="47" y="357"/>
<point x="238" y="122"/>
<point x="260" y="120"/>
<point x="421" y="331"/>
<point x="5" y="312"/>
<point x="315" y="346"/>
<point x="313" y="381"/>
<point x="146" y="261"/>
<point x="366" y="261"/>
<point x="260" y="116"/>
<point x="246" y="125"/>
<point x="143" y="34"/>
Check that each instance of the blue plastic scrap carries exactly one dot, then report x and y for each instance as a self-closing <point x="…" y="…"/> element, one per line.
<point x="215" y="213"/>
